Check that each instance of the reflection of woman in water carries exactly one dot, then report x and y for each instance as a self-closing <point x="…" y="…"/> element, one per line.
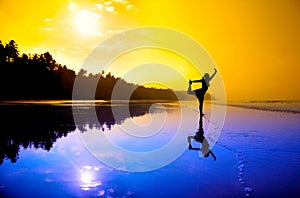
<point x="199" y="137"/>
<point x="205" y="150"/>
<point x="201" y="92"/>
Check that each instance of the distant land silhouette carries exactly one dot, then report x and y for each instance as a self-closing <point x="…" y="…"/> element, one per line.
<point x="40" y="77"/>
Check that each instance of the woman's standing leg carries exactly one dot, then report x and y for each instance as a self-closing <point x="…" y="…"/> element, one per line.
<point x="201" y="100"/>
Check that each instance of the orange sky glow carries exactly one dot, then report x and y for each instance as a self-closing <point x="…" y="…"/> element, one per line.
<point x="255" y="44"/>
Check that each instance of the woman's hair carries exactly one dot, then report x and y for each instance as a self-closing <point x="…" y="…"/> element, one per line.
<point x="206" y="76"/>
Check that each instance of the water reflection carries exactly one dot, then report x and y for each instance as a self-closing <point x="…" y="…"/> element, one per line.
<point x="39" y="126"/>
<point x="87" y="175"/>
<point x="199" y="137"/>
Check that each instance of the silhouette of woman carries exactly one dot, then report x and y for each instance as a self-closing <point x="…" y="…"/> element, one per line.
<point x="201" y="92"/>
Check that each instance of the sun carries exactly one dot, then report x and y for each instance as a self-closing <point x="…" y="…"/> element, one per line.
<point x="87" y="23"/>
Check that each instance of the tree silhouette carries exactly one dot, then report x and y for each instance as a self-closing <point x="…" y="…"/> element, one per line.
<point x="40" y="77"/>
<point x="2" y="53"/>
<point x="11" y="50"/>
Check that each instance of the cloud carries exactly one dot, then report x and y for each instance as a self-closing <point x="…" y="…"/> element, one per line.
<point x="125" y="3"/>
<point x="115" y="31"/>
<point x="107" y="3"/>
<point x="107" y="6"/>
<point x="46" y="20"/>
<point x="129" y="6"/>
<point x="46" y="28"/>
<point x="99" y="6"/>
<point x="110" y="8"/>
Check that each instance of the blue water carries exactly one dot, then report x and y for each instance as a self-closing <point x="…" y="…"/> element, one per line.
<point x="258" y="154"/>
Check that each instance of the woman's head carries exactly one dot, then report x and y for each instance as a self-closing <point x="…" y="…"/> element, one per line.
<point x="206" y="77"/>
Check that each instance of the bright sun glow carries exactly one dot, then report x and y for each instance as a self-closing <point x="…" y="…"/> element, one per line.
<point x="72" y="6"/>
<point x="87" y="22"/>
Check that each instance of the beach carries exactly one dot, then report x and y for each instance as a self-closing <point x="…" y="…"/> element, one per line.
<point x="258" y="155"/>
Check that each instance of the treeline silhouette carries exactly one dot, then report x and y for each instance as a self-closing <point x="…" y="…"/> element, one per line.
<point x="39" y="126"/>
<point x="39" y="76"/>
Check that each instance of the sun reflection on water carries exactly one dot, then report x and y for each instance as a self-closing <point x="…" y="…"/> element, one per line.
<point x="88" y="178"/>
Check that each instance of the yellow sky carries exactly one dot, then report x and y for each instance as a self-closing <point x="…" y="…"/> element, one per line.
<point x="255" y="44"/>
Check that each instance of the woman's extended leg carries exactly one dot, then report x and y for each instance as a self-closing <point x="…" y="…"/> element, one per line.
<point x="190" y="91"/>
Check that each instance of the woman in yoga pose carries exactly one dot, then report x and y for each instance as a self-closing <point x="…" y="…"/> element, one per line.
<point x="201" y="92"/>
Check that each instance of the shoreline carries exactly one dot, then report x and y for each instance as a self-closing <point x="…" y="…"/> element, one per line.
<point x="284" y="106"/>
